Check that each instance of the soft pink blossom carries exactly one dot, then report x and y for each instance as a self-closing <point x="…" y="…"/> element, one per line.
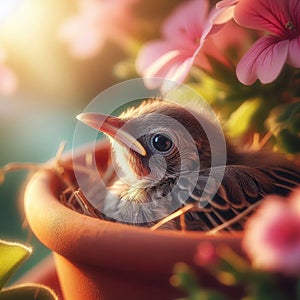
<point x="96" y="22"/>
<point x="219" y="46"/>
<point x="183" y="36"/>
<point x="267" y="56"/>
<point x="226" y="3"/>
<point x="206" y="254"/>
<point x="272" y="235"/>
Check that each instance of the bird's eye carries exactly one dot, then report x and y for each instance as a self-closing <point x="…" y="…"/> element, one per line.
<point x="161" y="142"/>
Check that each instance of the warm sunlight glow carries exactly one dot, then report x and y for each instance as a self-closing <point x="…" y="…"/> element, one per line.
<point x="8" y="7"/>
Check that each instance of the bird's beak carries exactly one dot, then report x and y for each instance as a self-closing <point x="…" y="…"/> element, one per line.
<point x="112" y="126"/>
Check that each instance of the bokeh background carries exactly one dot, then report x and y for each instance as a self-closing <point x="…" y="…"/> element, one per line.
<point x="55" y="57"/>
<point x="53" y="86"/>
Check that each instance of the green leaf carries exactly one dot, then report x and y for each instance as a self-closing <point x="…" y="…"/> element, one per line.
<point x="284" y="123"/>
<point x="12" y="256"/>
<point x="221" y="72"/>
<point x="185" y="279"/>
<point x="208" y="295"/>
<point x="208" y="88"/>
<point x="28" y="292"/>
<point x="285" y="113"/>
<point x="295" y="84"/>
<point x="288" y="141"/>
<point x="240" y="120"/>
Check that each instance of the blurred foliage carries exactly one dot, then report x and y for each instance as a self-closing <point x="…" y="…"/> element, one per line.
<point x="53" y="87"/>
<point x="12" y="256"/>
<point x="284" y="123"/>
<point x="185" y="279"/>
<point x="234" y="272"/>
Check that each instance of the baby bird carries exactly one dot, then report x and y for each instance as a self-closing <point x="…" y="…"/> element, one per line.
<point x="168" y="156"/>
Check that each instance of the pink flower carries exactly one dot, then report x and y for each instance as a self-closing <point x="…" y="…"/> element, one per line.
<point x="183" y="36"/>
<point x="272" y="235"/>
<point x="226" y="3"/>
<point x="221" y="44"/>
<point x="267" y="56"/>
<point x="206" y="254"/>
<point x="97" y="21"/>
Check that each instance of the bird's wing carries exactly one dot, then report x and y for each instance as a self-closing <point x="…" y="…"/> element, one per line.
<point x="222" y="193"/>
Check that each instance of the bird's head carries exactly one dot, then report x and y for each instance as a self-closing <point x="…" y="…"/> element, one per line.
<point x="155" y="140"/>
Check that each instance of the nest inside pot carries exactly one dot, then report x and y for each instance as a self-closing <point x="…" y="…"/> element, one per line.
<point x="71" y="194"/>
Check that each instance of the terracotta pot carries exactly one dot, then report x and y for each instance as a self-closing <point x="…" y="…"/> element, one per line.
<point x="97" y="259"/>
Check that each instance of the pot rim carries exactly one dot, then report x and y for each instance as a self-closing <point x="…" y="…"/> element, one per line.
<point x="91" y="241"/>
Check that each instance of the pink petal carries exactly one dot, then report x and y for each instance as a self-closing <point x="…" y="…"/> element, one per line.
<point x="163" y="60"/>
<point x="224" y="15"/>
<point x="152" y="52"/>
<point x="294" y="52"/>
<point x="176" y="72"/>
<point x="185" y="33"/>
<point x="272" y="236"/>
<point x="226" y="3"/>
<point x="206" y="254"/>
<point x="226" y="8"/>
<point x="161" y="66"/>
<point x="187" y="21"/>
<point x="264" y="61"/>
<point x="266" y="15"/>
<point x="180" y="68"/>
<point x="294" y="7"/>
